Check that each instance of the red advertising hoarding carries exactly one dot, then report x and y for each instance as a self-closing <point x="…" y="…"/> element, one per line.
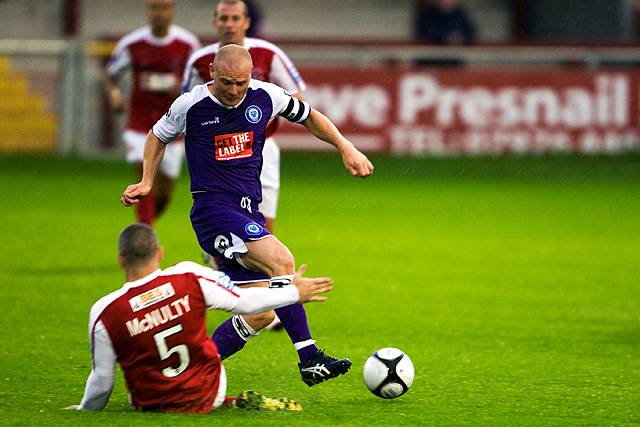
<point x="474" y="111"/>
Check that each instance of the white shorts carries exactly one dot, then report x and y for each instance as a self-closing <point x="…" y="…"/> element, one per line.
<point x="270" y="178"/>
<point x="173" y="154"/>
<point x="222" y="389"/>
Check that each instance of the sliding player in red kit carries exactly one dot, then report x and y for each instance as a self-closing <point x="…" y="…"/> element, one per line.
<point x="154" y="327"/>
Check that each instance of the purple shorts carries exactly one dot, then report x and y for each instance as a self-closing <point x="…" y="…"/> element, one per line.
<point x="222" y="223"/>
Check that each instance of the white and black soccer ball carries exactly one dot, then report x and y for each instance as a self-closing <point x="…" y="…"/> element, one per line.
<point x="388" y="373"/>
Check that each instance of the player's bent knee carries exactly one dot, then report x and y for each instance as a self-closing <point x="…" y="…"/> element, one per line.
<point x="260" y="321"/>
<point x="283" y="260"/>
<point x="269" y="255"/>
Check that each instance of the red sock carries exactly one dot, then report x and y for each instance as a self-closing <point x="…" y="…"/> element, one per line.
<point x="146" y="210"/>
<point x="229" y="401"/>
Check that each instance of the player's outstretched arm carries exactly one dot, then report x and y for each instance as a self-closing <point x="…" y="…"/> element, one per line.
<point x="153" y="153"/>
<point x="257" y="300"/>
<point x="321" y="127"/>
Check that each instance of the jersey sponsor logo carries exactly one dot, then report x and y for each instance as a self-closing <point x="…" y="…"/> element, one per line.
<point x="151" y="297"/>
<point x="157" y="82"/>
<point x="215" y="121"/>
<point x="252" y="229"/>
<point x="234" y="145"/>
<point x="253" y="114"/>
<point x="159" y="316"/>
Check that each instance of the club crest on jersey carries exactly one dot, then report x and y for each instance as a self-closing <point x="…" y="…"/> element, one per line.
<point x="253" y="114"/>
<point x="151" y="297"/>
<point x="252" y="229"/>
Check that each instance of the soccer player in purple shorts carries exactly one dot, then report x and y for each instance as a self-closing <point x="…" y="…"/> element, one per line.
<point x="224" y="122"/>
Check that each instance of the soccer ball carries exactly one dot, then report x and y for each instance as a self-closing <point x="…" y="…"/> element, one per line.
<point x="388" y="373"/>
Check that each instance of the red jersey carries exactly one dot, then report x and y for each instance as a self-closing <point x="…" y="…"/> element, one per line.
<point x="157" y="65"/>
<point x="156" y="327"/>
<point x="270" y="64"/>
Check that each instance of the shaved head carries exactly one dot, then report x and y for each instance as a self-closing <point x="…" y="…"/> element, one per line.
<point x="231" y="73"/>
<point x="233" y="57"/>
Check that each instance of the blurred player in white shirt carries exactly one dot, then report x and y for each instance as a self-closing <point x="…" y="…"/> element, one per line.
<point x="156" y="55"/>
<point x="270" y="64"/>
<point x="155" y="328"/>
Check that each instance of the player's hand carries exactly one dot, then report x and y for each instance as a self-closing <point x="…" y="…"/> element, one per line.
<point x="134" y="193"/>
<point x="311" y="288"/>
<point x="72" y="407"/>
<point x="356" y="163"/>
<point x="117" y="100"/>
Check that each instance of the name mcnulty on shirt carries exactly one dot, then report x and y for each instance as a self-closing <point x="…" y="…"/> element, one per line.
<point x="159" y="316"/>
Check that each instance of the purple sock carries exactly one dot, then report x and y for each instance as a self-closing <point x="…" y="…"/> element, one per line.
<point x="294" y="320"/>
<point x="227" y="338"/>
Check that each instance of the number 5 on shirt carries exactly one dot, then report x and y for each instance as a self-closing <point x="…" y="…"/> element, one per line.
<point x="165" y="352"/>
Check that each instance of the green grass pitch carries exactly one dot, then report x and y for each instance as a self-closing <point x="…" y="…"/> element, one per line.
<point x="513" y="284"/>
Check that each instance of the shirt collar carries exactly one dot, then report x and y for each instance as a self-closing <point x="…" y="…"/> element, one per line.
<point x="142" y="281"/>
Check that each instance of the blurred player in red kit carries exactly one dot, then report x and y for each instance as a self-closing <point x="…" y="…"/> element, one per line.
<point x="156" y="55"/>
<point x="154" y="327"/>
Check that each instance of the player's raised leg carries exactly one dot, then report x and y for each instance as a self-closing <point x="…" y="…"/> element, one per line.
<point x="275" y="259"/>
